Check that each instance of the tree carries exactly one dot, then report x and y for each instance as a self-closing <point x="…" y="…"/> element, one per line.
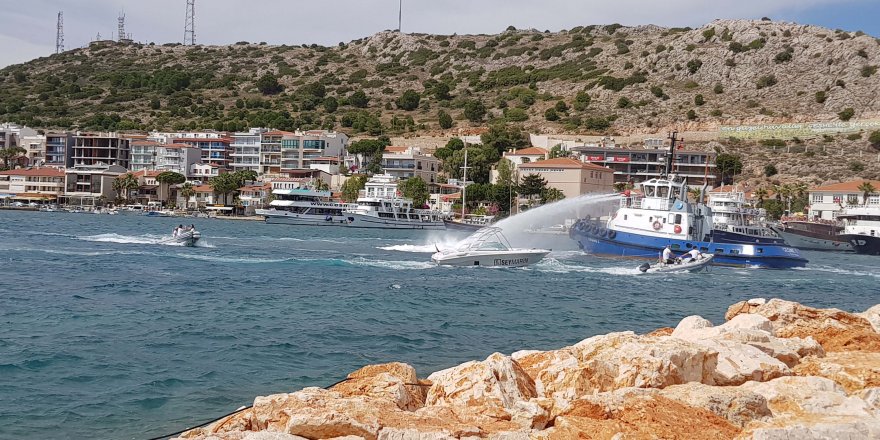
<point x="242" y="176"/>
<point x="761" y="194"/>
<point x="504" y="137"/>
<point x="409" y="100"/>
<point x="369" y="149"/>
<point x="557" y="151"/>
<point x="124" y="185"/>
<point x="10" y="153"/>
<point x="551" y="195"/>
<point x="505" y="169"/>
<point x="170" y="178"/>
<point x="770" y="170"/>
<point x="532" y="185"/>
<point x="480" y="161"/>
<point x="441" y="91"/>
<point x="774" y="209"/>
<point x="416" y="189"/>
<point x="224" y="184"/>
<point x="452" y="146"/>
<point x="330" y="104"/>
<point x="846" y="114"/>
<point x="359" y="99"/>
<point x="474" y="110"/>
<point x="445" y="119"/>
<point x="561" y="107"/>
<point x="187" y="191"/>
<point x="728" y="165"/>
<point x="551" y="115"/>
<point x="874" y="139"/>
<point x="352" y="187"/>
<point x="581" y="101"/>
<point x="867" y="188"/>
<point x="699" y="100"/>
<point x="268" y="85"/>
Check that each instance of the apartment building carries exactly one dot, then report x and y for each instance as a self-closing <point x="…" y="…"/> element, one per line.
<point x="213" y="150"/>
<point x="203" y="172"/>
<point x="270" y="151"/>
<point x="254" y="196"/>
<point x="58" y="148"/>
<point x="91" y="184"/>
<point x="246" y="150"/>
<point x="641" y="164"/>
<point x="100" y="149"/>
<point x="406" y="162"/>
<point x="32" y="184"/>
<point x="827" y="201"/>
<point x="143" y="155"/>
<point x="311" y="149"/>
<point x="177" y="158"/>
<point x="571" y="176"/>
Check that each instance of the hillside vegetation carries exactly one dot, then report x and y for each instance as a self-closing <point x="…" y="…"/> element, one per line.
<point x="593" y="79"/>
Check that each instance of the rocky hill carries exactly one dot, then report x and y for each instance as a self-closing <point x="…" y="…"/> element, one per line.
<point x="608" y="79"/>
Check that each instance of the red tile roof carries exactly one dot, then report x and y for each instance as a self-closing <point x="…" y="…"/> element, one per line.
<point x="394" y="149"/>
<point x="203" y="188"/>
<point x="852" y="186"/>
<point x="147" y="173"/>
<point x="34" y="172"/>
<point x="326" y="158"/>
<point x="277" y="133"/>
<point x="532" y="151"/>
<point x="564" y="162"/>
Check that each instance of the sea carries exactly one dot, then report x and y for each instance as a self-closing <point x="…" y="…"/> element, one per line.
<point x="106" y="331"/>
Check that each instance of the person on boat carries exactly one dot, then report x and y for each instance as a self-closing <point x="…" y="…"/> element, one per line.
<point x="192" y="227"/>
<point x="174" y="232"/>
<point x="693" y="254"/>
<point x="667" y="255"/>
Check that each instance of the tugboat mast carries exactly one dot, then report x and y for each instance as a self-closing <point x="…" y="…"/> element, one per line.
<point x="671" y="155"/>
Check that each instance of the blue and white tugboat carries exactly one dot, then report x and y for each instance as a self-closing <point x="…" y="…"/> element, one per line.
<point x="662" y="216"/>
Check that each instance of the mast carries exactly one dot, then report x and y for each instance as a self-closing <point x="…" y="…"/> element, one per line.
<point x="464" y="182"/>
<point x="671" y="155"/>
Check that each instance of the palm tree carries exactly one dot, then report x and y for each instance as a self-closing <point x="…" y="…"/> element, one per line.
<point x="695" y="193"/>
<point x="10" y="153"/>
<point x="867" y="189"/>
<point x="761" y="194"/>
<point x="171" y="179"/>
<point x="187" y="191"/>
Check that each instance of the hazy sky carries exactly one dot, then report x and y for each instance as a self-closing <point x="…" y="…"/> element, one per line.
<point x="29" y="25"/>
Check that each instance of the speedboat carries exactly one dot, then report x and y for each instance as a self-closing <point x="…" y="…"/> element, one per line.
<point x="187" y="237"/>
<point x="490" y="248"/>
<point x="687" y="265"/>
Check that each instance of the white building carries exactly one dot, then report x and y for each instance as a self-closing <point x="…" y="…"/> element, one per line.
<point x="169" y="137"/>
<point x="36" y="149"/>
<point x="143" y="155"/>
<point x="406" y="162"/>
<point x="204" y="171"/>
<point x="32" y="184"/>
<point x="178" y="158"/>
<point x="519" y="158"/>
<point x="246" y="150"/>
<point x="303" y="150"/>
<point x="827" y="201"/>
<point x="87" y="184"/>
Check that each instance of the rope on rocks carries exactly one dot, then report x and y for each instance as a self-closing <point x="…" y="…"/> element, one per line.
<point x="161" y="437"/>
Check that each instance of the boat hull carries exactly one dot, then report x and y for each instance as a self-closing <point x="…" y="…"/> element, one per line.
<point x="458" y="226"/>
<point x="348" y="220"/>
<point x="863" y="244"/>
<point x="811" y="243"/>
<point x="289" y="218"/>
<point x="490" y="259"/>
<point x="686" y="266"/>
<point x="188" y="238"/>
<point x="735" y="237"/>
<point x="594" y="239"/>
<point x="367" y="221"/>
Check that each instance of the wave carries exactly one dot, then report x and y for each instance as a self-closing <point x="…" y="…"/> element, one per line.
<point x="125" y="239"/>
<point x="416" y="248"/>
<point x="552" y="265"/>
<point x="394" y="265"/>
<point x="839" y="271"/>
<point x="236" y="260"/>
<point x="79" y="253"/>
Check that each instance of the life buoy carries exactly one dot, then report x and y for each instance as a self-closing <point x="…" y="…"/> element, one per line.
<point x="679" y="205"/>
<point x="657" y="226"/>
<point x="677" y="229"/>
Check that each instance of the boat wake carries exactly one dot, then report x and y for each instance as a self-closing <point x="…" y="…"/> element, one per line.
<point x="394" y="265"/>
<point x="553" y="265"/>
<point x="130" y="239"/>
<point x="839" y="271"/>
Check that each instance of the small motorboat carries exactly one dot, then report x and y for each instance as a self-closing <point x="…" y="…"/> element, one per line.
<point x="686" y="265"/>
<point x="188" y="237"/>
<point x="488" y="247"/>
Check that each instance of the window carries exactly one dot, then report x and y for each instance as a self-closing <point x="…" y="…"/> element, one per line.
<point x="852" y="199"/>
<point x="817" y="198"/>
<point x="678" y="219"/>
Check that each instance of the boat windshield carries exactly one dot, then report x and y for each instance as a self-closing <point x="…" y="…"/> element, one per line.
<point x="485" y="239"/>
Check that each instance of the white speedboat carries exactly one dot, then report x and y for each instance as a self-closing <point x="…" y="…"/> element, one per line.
<point x="488" y="247"/>
<point x="187" y="237"/>
<point x="687" y="265"/>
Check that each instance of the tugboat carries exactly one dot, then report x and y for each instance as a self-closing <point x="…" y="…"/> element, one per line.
<point x="735" y="222"/>
<point x="645" y="224"/>
<point x="861" y="228"/>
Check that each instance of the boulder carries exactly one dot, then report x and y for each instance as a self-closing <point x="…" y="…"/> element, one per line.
<point x="248" y="435"/>
<point x="393" y="381"/>
<point x="618" y="360"/>
<point x="496" y="383"/>
<point x="736" y="405"/>
<point x="834" y="329"/>
<point x="872" y="397"/>
<point x="873" y="316"/>
<point x="853" y="370"/>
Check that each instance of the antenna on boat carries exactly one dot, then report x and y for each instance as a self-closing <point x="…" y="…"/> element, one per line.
<point x="671" y="155"/>
<point x="464" y="182"/>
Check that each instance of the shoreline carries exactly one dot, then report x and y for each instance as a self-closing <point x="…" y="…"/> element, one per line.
<point x="774" y="370"/>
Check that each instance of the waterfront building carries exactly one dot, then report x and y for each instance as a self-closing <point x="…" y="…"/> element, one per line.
<point x="214" y="150"/>
<point x="143" y="155"/>
<point x="44" y="185"/>
<point x="828" y="201"/>
<point x="58" y="148"/>
<point x="150" y="189"/>
<point x="91" y="184"/>
<point x="443" y="196"/>
<point x="170" y="137"/>
<point x="35" y="146"/>
<point x="311" y="149"/>
<point x="203" y="198"/>
<point x="203" y="172"/>
<point x="406" y="162"/>
<point x="571" y="176"/>
<point x="253" y="196"/>
<point x="636" y="165"/>
<point x="270" y="152"/>
<point x="246" y="150"/>
<point x="177" y="158"/>
<point x="101" y="148"/>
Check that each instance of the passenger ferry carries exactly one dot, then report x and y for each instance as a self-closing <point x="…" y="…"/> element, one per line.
<point x="661" y="216"/>
<point x="306" y="206"/>
<point x="380" y="205"/>
<point x="733" y="221"/>
<point x="861" y="228"/>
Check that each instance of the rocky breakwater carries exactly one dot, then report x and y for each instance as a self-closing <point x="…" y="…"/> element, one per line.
<point x="775" y="370"/>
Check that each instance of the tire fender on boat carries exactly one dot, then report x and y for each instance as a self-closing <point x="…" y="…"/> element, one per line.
<point x="612" y="234"/>
<point x="657" y="226"/>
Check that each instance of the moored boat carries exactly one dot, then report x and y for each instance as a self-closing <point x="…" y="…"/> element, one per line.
<point x="488" y="248"/>
<point x="814" y="235"/>
<point x="380" y="205"/>
<point x="306" y="206"/>
<point x="733" y="221"/>
<point x="470" y="222"/>
<point x="862" y="228"/>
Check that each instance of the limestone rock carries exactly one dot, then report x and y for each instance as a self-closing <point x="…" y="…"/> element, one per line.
<point x="834" y="329"/>
<point x="497" y="382"/>
<point x="873" y="316"/>
<point x="249" y="435"/>
<point x="618" y="360"/>
<point x="394" y="381"/>
<point x="853" y="370"/>
<point x="872" y="397"/>
<point x="736" y="405"/>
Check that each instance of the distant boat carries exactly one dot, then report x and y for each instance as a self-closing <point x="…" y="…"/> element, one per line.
<point x="862" y="228"/>
<point x="689" y="265"/>
<point x="380" y="205"/>
<point x="488" y="248"/>
<point x="734" y="222"/>
<point x="470" y="222"/>
<point x="814" y="235"/>
<point x="187" y="237"/>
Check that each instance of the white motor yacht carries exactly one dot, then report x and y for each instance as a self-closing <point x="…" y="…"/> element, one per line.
<point x="488" y="247"/>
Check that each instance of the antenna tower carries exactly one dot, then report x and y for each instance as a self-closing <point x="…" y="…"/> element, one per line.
<point x="189" y="28"/>
<point x="120" y="33"/>
<point x="59" y="33"/>
<point x="399" y="15"/>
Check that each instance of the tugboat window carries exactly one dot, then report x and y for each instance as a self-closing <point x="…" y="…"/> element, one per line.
<point x="676" y="247"/>
<point x="704" y="249"/>
<point x="678" y="219"/>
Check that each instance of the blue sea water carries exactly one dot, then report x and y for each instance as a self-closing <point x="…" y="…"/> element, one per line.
<point x="106" y="333"/>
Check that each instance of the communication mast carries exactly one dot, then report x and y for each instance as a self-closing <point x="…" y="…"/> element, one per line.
<point x="59" y="33"/>
<point x="120" y="32"/>
<point x="399" y="15"/>
<point x="189" y="28"/>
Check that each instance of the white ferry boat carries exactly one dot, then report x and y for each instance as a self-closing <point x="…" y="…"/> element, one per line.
<point x="380" y="205"/>
<point x="303" y="205"/>
<point x="861" y="228"/>
<point x="735" y="222"/>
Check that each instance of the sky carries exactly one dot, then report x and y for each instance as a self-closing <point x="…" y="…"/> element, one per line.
<point x="29" y="25"/>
